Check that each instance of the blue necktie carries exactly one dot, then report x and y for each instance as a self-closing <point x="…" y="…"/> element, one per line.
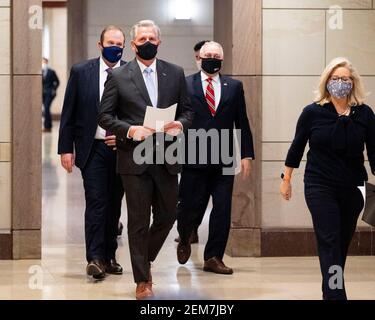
<point x="150" y="85"/>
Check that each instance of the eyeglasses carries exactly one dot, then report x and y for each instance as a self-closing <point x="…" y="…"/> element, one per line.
<point x="343" y="79"/>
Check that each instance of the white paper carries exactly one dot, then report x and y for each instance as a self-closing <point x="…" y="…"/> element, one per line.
<point x="157" y="118"/>
<point x="363" y="191"/>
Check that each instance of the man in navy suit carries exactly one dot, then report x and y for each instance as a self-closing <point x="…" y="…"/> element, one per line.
<point x="92" y="149"/>
<point x="219" y="104"/>
<point x="50" y="84"/>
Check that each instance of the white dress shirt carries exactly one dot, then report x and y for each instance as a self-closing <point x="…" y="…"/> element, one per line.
<point x="215" y="83"/>
<point x="154" y="78"/>
<point x="103" y="74"/>
<point x="154" y="72"/>
<point x="217" y="89"/>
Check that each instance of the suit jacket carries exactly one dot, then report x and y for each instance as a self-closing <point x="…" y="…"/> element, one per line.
<point x="80" y="111"/>
<point x="50" y="82"/>
<point x="230" y="111"/>
<point x="124" y="104"/>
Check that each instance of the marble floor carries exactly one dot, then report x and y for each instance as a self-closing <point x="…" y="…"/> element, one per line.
<point x="61" y="272"/>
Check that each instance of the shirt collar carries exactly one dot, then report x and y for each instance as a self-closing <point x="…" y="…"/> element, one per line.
<point x="143" y="67"/>
<point x="104" y="67"/>
<point x="204" y="77"/>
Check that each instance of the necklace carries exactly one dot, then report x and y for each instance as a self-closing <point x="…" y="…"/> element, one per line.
<point x="345" y="113"/>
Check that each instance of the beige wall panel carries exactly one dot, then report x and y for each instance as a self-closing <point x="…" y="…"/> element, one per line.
<point x="277" y="212"/>
<point x="293" y="42"/>
<point x="356" y="40"/>
<point x="5" y="112"/>
<point x="306" y="4"/>
<point x="5" y="152"/>
<point x="4" y="3"/>
<point x="5" y="196"/>
<point x="277" y="151"/>
<point x="283" y="101"/>
<point x="369" y="83"/>
<point x="4" y="41"/>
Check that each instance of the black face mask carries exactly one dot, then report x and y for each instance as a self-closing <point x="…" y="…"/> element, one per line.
<point x="211" y="65"/>
<point x="147" y="51"/>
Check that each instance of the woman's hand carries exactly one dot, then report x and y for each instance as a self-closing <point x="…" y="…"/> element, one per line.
<point x="286" y="190"/>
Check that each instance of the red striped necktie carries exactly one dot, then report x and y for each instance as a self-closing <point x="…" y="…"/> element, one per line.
<point x="210" y="96"/>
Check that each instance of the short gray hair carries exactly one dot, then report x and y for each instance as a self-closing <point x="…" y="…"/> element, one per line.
<point x="212" y="43"/>
<point x="144" y="23"/>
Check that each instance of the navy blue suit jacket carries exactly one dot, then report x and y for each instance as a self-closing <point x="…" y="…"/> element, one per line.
<point x="231" y="111"/>
<point x="80" y="111"/>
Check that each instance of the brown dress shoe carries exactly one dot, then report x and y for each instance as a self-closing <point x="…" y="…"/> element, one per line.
<point x="143" y="291"/>
<point x="183" y="253"/>
<point x="216" y="265"/>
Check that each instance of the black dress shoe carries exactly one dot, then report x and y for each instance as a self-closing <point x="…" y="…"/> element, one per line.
<point x="95" y="269"/>
<point x="112" y="267"/>
<point x="183" y="253"/>
<point x="193" y="237"/>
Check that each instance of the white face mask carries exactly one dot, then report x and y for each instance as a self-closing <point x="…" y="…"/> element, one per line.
<point x="44" y="66"/>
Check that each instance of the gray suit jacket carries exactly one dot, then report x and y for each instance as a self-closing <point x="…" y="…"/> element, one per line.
<point x="124" y="104"/>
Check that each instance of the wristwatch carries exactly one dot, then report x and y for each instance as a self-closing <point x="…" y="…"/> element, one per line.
<point x="284" y="177"/>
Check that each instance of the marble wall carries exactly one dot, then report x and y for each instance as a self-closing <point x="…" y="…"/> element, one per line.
<point x="56" y="20"/>
<point x="20" y="130"/>
<point x="299" y="38"/>
<point x="5" y="118"/>
<point x="178" y="36"/>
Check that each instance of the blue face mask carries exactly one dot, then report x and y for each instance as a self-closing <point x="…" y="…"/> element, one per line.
<point x="339" y="89"/>
<point x="112" y="54"/>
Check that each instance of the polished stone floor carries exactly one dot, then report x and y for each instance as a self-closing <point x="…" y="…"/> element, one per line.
<point x="61" y="272"/>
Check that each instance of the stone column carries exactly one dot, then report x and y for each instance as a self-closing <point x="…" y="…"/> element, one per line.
<point x="77" y="31"/>
<point x="237" y="26"/>
<point x="5" y="131"/>
<point x="26" y="128"/>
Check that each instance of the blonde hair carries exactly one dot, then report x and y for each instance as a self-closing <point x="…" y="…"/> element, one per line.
<point x="357" y="96"/>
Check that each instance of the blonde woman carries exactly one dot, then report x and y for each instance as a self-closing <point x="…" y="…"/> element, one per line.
<point x="337" y="126"/>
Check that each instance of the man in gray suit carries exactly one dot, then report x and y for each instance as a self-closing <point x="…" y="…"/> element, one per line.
<point x="145" y="81"/>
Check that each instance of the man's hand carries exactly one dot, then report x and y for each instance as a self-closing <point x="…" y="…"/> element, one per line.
<point x="245" y="168"/>
<point x="110" y="141"/>
<point x="67" y="161"/>
<point x="140" y="133"/>
<point x="173" y="128"/>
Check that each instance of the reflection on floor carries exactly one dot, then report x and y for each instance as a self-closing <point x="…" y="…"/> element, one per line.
<point x="61" y="273"/>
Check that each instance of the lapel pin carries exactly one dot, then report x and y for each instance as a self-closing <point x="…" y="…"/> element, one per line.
<point x="225" y="84"/>
<point x="164" y="74"/>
